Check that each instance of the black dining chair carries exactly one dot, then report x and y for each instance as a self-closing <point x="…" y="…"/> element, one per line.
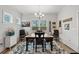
<point x="29" y="42"/>
<point x="56" y="35"/>
<point x="22" y="34"/>
<point x="50" y="41"/>
<point x="39" y="40"/>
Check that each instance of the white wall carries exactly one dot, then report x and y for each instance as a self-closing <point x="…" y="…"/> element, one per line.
<point x="70" y="37"/>
<point x="4" y="27"/>
<point x="47" y="17"/>
<point x="15" y="14"/>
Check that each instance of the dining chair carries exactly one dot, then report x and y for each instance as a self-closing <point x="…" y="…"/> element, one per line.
<point x="29" y="43"/>
<point x="22" y="34"/>
<point x="56" y="35"/>
<point x="39" y="40"/>
<point x="50" y="41"/>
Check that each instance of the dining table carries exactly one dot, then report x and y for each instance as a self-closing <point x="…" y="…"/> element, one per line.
<point x="47" y="37"/>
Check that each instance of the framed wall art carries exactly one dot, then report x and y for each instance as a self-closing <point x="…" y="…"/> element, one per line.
<point x="25" y="24"/>
<point x="53" y="22"/>
<point x="67" y="26"/>
<point x="18" y="21"/>
<point x="67" y="20"/>
<point x="59" y="23"/>
<point x="7" y="18"/>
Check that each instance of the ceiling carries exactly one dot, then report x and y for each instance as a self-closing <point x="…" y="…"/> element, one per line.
<point x="29" y="9"/>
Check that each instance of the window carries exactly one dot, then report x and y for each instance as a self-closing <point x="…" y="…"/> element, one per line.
<point x="43" y="24"/>
<point x="36" y="24"/>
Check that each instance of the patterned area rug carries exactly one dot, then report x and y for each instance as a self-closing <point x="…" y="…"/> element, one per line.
<point x="21" y="49"/>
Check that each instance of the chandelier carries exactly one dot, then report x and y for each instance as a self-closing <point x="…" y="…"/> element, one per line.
<point x="39" y="14"/>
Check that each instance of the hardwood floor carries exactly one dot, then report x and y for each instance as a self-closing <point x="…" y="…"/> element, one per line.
<point x="66" y="48"/>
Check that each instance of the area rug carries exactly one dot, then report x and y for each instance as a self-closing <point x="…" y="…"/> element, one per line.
<point x="21" y="49"/>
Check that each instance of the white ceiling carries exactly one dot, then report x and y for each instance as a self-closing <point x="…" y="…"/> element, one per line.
<point x="27" y="9"/>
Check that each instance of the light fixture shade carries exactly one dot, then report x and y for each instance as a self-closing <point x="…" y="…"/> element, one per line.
<point x="35" y="14"/>
<point x="42" y="14"/>
<point x="39" y="14"/>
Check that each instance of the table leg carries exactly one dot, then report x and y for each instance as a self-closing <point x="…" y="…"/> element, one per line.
<point x="43" y="46"/>
<point x="51" y="45"/>
<point x="26" y="44"/>
<point x="33" y="43"/>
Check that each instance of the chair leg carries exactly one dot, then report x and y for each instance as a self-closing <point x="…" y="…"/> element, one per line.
<point x="36" y="48"/>
<point x="45" y="45"/>
<point x="42" y="47"/>
<point x="27" y="45"/>
<point x="33" y="44"/>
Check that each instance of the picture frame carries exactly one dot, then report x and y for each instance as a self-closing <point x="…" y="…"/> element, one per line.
<point x="25" y="24"/>
<point x="67" y="20"/>
<point x="18" y="21"/>
<point x="54" y="26"/>
<point x="53" y="22"/>
<point x="67" y="26"/>
<point x="7" y="18"/>
<point x="59" y="23"/>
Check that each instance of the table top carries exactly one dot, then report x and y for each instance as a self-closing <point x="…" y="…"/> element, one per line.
<point x="33" y="35"/>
